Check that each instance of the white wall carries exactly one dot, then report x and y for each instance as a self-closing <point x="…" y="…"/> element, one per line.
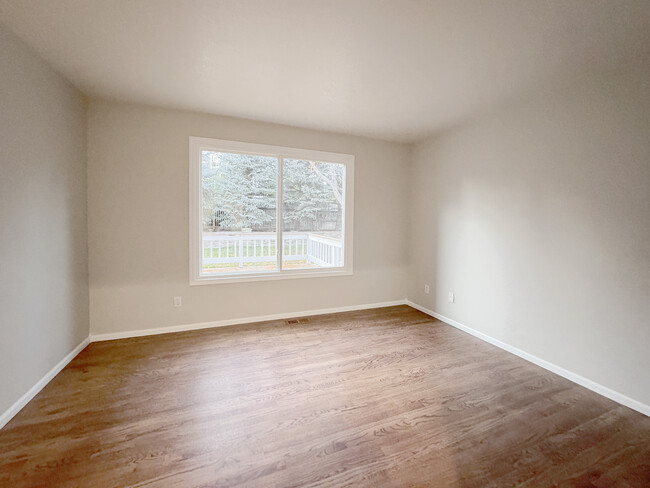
<point x="537" y="216"/>
<point x="138" y="221"/>
<point x="43" y="271"/>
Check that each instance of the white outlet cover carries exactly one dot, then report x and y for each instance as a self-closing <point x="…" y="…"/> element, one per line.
<point x="426" y="289"/>
<point x="451" y="297"/>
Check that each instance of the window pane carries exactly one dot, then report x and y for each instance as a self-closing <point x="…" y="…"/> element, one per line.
<point x="313" y="203"/>
<point x="239" y="220"/>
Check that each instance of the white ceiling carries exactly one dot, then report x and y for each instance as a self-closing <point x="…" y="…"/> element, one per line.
<point x="393" y="69"/>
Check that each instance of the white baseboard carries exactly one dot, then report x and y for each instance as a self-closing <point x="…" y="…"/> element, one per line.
<point x="580" y="380"/>
<point x="7" y="415"/>
<point x="238" y="321"/>
<point x="587" y="383"/>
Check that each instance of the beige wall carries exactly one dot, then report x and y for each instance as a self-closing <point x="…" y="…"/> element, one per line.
<point x="43" y="271"/>
<point x="138" y="207"/>
<point x="537" y="216"/>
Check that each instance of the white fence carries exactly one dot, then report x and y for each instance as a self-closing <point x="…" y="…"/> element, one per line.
<point x="261" y="247"/>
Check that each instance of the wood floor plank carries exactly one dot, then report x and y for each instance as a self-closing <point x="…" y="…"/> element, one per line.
<point x="381" y="398"/>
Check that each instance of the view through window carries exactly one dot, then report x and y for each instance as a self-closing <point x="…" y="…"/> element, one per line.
<point x="251" y="202"/>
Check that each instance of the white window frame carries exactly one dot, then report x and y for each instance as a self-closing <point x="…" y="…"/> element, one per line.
<point x="200" y="144"/>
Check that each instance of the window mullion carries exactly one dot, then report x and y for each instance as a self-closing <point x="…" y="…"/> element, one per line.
<point x="279" y="247"/>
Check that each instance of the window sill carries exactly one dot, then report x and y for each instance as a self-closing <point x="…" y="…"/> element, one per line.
<point x="268" y="276"/>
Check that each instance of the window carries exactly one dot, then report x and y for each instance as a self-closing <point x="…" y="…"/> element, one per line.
<point x="263" y="212"/>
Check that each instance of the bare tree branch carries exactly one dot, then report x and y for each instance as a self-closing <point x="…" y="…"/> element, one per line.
<point x="332" y="184"/>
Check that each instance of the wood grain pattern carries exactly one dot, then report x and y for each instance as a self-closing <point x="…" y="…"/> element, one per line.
<point x="384" y="397"/>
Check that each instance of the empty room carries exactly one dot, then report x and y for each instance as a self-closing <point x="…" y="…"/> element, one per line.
<point x="324" y="243"/>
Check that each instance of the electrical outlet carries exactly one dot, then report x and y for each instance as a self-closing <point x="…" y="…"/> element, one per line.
<point x="178" y="301"/>
<point x="451" y="297"/>
<point x="426" y="289"/>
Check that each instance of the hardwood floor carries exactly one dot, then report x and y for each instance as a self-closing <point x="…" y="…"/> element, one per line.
<point x="384" y="397"/>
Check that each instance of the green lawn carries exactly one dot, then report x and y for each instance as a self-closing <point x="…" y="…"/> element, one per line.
<point x="250" y="265"/>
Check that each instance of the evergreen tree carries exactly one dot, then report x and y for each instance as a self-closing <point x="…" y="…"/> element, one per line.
<point x="310" y="187"/>
<point x="241" y="189"/>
